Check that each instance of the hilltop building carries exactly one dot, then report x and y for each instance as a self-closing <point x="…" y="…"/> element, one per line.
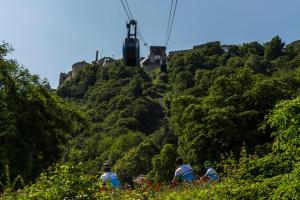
<point x="155" y="59"/>
<point x="158" y="56"/>
<point x="64" y="77"/>
<point x="76" y="67"/>
<point x="104" y="62"/>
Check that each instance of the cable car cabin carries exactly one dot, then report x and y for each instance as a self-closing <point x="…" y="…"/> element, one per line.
<point x="131" y="52"/>
<point x="131" y="46"/>
<point x="164" y="66"/>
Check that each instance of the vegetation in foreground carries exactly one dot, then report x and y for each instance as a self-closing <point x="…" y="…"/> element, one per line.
<point x="236" y="105"/>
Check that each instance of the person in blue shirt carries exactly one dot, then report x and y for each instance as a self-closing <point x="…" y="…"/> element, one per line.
<point x="211" y="173"/>
<point x="110" y="177"/>
<point x="184" y="172"/>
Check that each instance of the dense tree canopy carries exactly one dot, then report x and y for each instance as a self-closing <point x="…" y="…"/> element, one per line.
<point x="212" y="102"/>
<point x="34" y="122"/>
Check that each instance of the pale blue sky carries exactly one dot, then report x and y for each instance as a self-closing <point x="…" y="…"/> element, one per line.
<point x="50" y="35"/>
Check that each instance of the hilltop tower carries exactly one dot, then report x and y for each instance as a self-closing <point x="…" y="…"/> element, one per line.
<point x="77" y="67"/>
<point x="155" y="59"/>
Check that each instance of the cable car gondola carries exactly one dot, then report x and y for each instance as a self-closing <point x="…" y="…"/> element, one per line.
<point x="164" y="66"/>
<point x="131" y="46"/>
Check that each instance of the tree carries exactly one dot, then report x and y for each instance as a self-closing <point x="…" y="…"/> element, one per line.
<point x="5" y="49"/>
<point x="233" y="50"/>
<point x="164" y="164"/>
<point x="123" y="144"/>
<point x="256" y="63"/>
<point x="183" y="81"/>
<point x="274" y="48"/>
<point x="265" y="93"/>
<point x="252" y="48"/>
<point x="34" y="122"/>
<point x="137" y="161"/>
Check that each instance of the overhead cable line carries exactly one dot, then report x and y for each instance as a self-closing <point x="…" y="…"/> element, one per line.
<point x="125" y="9"/>
<point x="129" y="9"/>
<point x="169" y="21"/>
<point x="171" y="25"/>
<point x="138" y="30"/>
<point x="130" y="17"/>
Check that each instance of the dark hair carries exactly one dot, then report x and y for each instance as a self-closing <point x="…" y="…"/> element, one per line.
<point x="179" y="161"/>
<point x="106" y="167"/>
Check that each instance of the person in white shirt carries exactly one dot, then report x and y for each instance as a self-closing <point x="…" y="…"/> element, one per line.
<point x="211" y="173"/>
<point x="183" y="172"/>
<point x="110" y="177"/>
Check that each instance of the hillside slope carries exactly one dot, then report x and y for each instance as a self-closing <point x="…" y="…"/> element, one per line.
<point x="211" y="102"/>
<point x="235" y="105"/>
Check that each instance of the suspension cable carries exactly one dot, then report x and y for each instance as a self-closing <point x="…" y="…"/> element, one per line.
<point x="169" y="21"/>
<point x="172" y="14"/>
<point x="125" y="9"/>
<point x="129" y="15"/>
<point x="138" y="30"/>
<point x="171" y="26"/>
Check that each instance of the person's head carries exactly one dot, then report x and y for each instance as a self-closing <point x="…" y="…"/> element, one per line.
<point x="179" y="161"/>
<point x="207" y="164"/>
<point x="106" y="167"/>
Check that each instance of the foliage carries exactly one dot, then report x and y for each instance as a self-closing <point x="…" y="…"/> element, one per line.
<point x="235" y="105"/>
<point x="34" y="122"/>
<point x="274" y="48"/>
<point x="137" y="161"/>
<point x="65" y="181"/>
<point x="163" y="163"/>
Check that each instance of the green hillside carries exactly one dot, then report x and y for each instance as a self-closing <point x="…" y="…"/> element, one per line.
<point x="235" y="105"/>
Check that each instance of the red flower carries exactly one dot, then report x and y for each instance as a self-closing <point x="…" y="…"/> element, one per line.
<point x="158" y="186"/>
<point x="149" y="183"/>
<point x="174" y="184"/>
<point x="102" y="189"/>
